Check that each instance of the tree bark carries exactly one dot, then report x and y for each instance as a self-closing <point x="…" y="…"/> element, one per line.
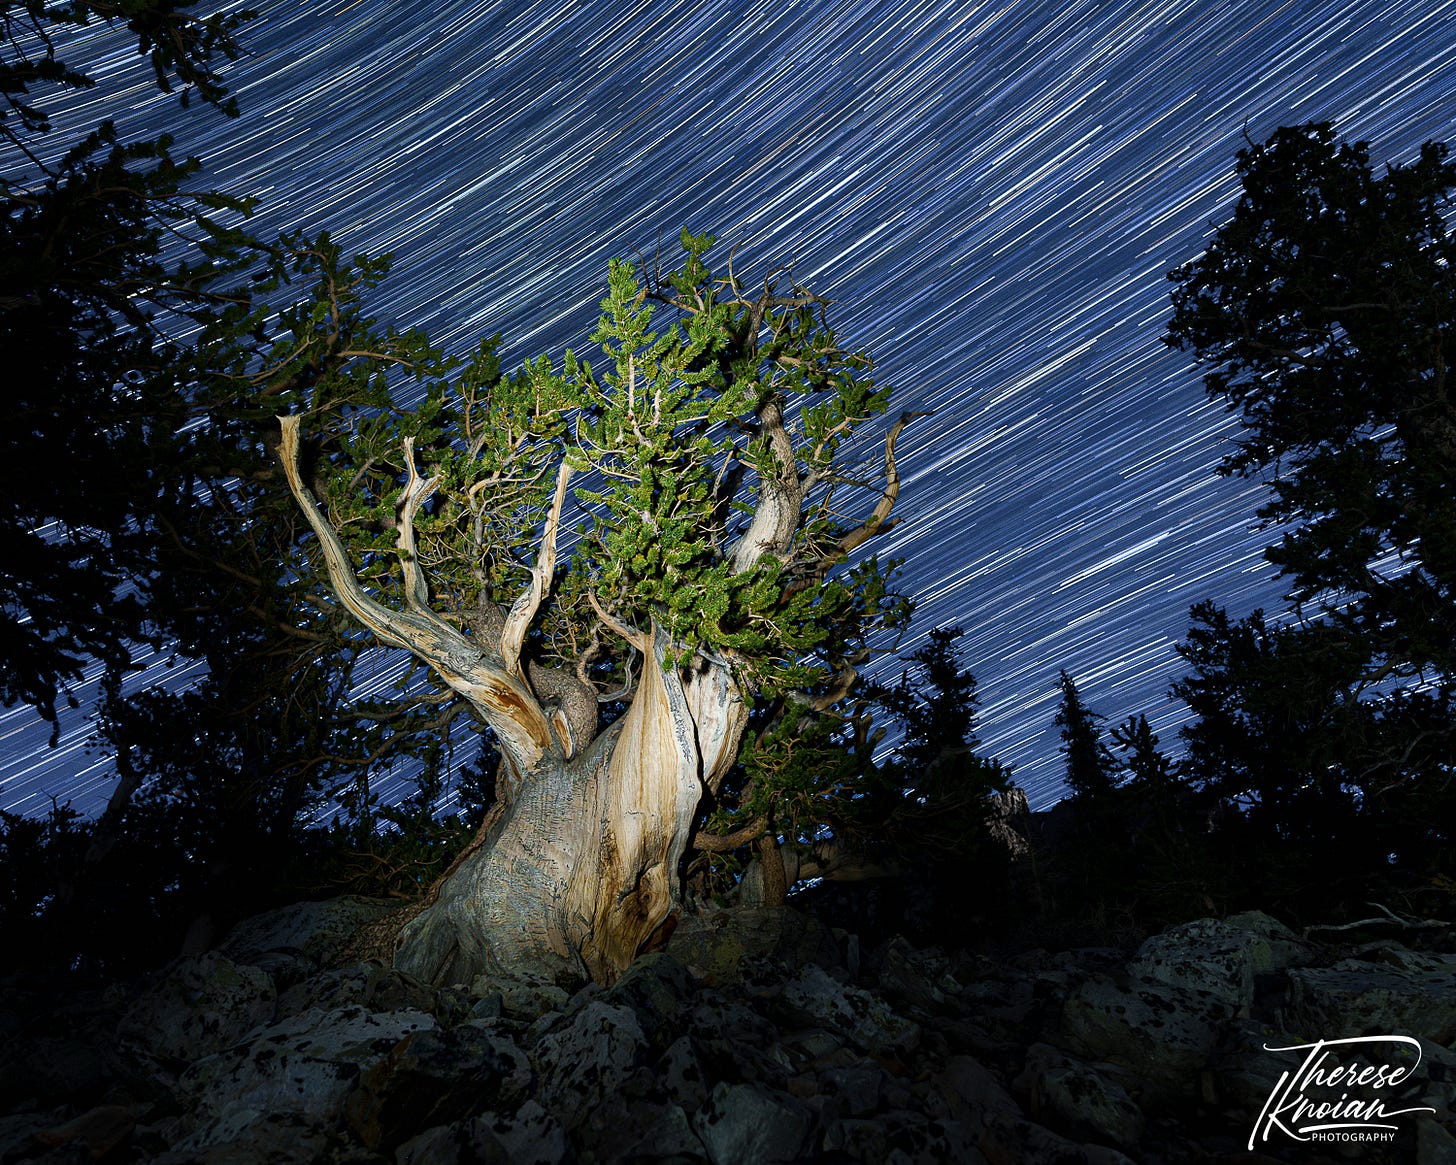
<point x="582" y="866"/>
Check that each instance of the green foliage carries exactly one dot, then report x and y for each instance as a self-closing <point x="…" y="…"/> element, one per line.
<point x="1282" y="732"/>
<point x="661" y="432"/>
<point x="1146" y="766"/>
<point x="1325" y="311"/>
<point x="929" y="802"/>
<point x="813" y="777"/>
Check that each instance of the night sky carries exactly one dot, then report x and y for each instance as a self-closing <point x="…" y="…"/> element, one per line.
<point x="992" y="191"/>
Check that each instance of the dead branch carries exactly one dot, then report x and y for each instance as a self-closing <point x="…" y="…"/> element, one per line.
<point x="726" y="843"/>
<point x="417" y="491"/>
<point x="524" y="609"/>
<point x="1390" y="918"/>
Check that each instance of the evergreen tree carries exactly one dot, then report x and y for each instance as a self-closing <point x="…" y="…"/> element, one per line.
<point x="150" y="339"/>
<point x="1325" y="313"/>
<point x="707" y="576"/>
<point x="1089" y="763"/>
<point x="1146" y="766"/>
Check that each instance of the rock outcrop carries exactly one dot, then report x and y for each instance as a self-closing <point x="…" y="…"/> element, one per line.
<point x="759" y="1037"/>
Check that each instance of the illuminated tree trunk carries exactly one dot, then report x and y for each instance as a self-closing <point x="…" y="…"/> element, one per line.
<point x="578" y="864"/>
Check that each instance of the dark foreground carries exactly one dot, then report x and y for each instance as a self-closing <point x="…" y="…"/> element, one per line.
<point x="757" y="1036"/>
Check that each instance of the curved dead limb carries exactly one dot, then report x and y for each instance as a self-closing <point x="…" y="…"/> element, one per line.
<point x="780" y="497"/>
<point x="1390" y="918"/>
<point x="502" y="700"/>
<point x="524" y="609"/>
<point x="713" y="843"/>
<point x="838" y="689"/>
<point x="417" y="491"/>
<point x="876" y="522"/>
<point x="635" y="638"/>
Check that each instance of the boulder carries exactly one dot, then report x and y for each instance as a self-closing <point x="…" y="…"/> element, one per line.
<point x="201" y="1004"/>
<point x="659" y="991"/>
<point x="813" y="996"/>
<point x="681" y="1074"/>
<point x="306" y="1064"/>
<point x="283" y="1138"/>
<point x="370" y="985"/>
<point x="437" y="1146"/>
<point x="1077" y="1099"/>
<point x="919" y="979"/>
<point x="318" y="932"/>
<point x="1245" y="1073"/>
<point x="714" y="944"/>
<point x="746" y="1123"/>
<point x="734" y="1042"/>
<point x="1408" y="993"/>
<point x="528" y="1135"/>
<point x="1017" y="1141"/>
<point x="1218" y="957"/>
<point x="975" y="1097"/>
<point x="434" y="1077"/>
<point x="587" y="1059"/>
<point x="857" y="1089"/>
<point x="521" y="998"/>
<point x="900" y="1138"/>
<point x="1163" y="1033"/>
<point x="1434" y="1144"/>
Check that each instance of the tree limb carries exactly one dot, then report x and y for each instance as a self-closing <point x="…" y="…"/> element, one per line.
<point x="417" y="491"/>
<point x="524" y="609"/>
<point x="503" y="700"/>
<point x="713" y="843"/>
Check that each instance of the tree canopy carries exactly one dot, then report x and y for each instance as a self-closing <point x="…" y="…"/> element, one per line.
<point x="1324" y="310"/>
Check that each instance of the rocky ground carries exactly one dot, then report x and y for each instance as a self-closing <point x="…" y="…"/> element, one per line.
<point x="757" y="1036"/>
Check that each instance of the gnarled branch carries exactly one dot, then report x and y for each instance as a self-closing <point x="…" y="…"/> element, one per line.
<point x="503" y="700"/>
<point x="524" y="609"/>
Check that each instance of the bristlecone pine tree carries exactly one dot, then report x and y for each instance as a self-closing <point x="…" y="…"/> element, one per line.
<point x="616" y="660"/>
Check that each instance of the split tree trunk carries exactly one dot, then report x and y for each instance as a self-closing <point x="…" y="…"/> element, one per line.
<point x="579" y="866"/>
<point x="579" y="863"/>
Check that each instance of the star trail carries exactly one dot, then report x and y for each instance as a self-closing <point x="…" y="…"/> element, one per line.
<point x="994" y="193"/>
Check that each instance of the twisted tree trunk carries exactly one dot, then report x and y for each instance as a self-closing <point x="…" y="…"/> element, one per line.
<point x="579" y="866"/>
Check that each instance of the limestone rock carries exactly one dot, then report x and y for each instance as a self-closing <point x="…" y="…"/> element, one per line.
<point x="434" y="1077"/>
<point x="1217" y="957"/>
<point x="738" y="1042"/>
<point x="1434" y="1144"/>
<point x="1018" y="1141"/>
<point x="286" y="1138"/>
<point x="715" y="944"/>
<point x="528" y="1135"/>
<point x="857" y="1089"/>
<point x="588" y="1059"/>
<point x="200" y="1005"/>
<point x="306" y="1064"/>
<point x="976" y="1098"/>
<point x="681" y="1074"/>
<point x="1163" y="1033"/>
<point x="858" y="1015"/>
<point x="317" y="931"/>
<point x="744" y="1123"/>
<point x="1414" y="996"/>
<point x="437" y="1146"/>
<point x="369" y="985"/>
<point x="659" y="991"/>
<point x="1076" y="1098"/>
<point x="917" y="978"/>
